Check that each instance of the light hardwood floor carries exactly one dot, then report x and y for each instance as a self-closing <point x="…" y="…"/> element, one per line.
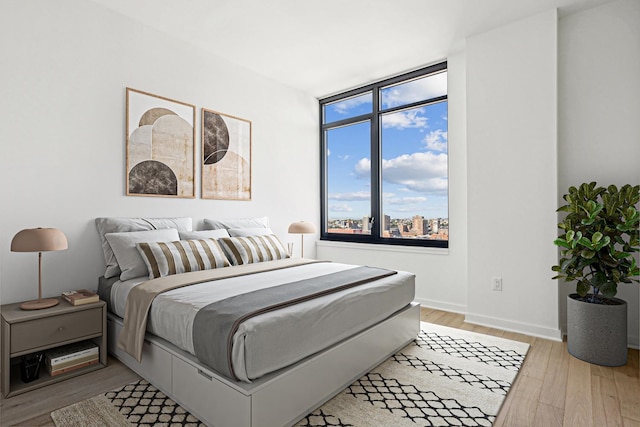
<point x="552" y="388"/>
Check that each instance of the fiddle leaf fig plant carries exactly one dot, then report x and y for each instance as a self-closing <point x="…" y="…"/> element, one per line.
<point x="600" y="237"/>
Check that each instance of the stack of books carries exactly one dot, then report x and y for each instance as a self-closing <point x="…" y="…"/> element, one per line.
<point x="71" y="357"/>
<point x="81" y="296"/>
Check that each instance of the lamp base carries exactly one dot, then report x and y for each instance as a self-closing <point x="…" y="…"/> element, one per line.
<point x="39" y="304"/>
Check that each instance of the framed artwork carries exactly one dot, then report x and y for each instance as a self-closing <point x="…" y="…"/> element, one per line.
<point x="226" y="157"/>
<point x="160" y="146"/>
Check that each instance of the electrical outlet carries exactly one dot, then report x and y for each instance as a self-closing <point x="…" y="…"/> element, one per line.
<point x="496" y="283"/>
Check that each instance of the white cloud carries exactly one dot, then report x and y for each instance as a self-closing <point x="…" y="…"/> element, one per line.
<point x="416" y="90"/>
<point x="340" y="208"/>
<point x="405" y="119"/>
<point x="421" y="172"/>
<point x="351" y="197"/>
<point x="436" y="140"/>
<point x="343" y="158"/>
<point x="404" y="200"/>
<point x="363" y="168"/>
<point x="344" y="107"/>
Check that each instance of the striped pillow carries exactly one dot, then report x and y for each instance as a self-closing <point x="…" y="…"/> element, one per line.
<point x="250" y="249"/>
<point x="167" y="258"/>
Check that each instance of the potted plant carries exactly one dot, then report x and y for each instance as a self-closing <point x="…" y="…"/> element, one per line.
<point x="599" y="240"/>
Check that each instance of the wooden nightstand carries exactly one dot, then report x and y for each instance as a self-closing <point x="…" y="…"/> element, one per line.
<point x="26" y="332"/>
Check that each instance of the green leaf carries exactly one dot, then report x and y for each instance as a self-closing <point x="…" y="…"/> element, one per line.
<point x="583" y="287"/>
<point x="609" y="289"/>
<point x="585" y="242"/>
<point x="603" y="243"/>
<point x="587" y="253"/>
<point x="597" y="236"/>
<point x="562" y="243"/>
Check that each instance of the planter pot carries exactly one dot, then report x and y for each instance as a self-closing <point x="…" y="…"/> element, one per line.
<point x="597" y="333"/>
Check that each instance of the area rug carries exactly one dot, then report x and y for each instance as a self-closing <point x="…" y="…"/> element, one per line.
<point x="446" y="377"/>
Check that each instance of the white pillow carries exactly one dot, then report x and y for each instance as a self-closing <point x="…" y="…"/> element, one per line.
<point x="124" y="248"/>
<point x="215" y="224"/>
<point x="119" y="225"/>
<point x="203" y="234"/>
<point x="244" y="232"/>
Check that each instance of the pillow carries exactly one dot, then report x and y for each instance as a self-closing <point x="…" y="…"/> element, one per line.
<point x="215" y="224"/>
<point x="166" y="258"/>
<point x="203" y="234"/>
<point x="250" y="249"/>
<point x="118" y="225"/>
<point x="244" y="232"/>
<point x="125" y="251"/>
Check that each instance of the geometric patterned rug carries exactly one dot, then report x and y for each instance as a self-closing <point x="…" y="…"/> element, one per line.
<point x="446" y="377"/>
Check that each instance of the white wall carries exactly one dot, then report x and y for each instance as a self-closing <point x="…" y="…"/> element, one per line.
<point x="441" y="275"/>
<point x="511" y="151"/>
<point x="65" y="66"/>
<point x="599" y="111"/>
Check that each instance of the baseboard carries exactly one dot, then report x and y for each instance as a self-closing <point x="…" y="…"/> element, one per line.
<point x="632" y="342"/>
<point x="441" y="305"/>
<point x="508" y="325"/>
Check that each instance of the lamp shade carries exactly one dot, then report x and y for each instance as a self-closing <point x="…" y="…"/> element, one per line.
<point x="302" y="227"/>
<point x="39" y="240"/>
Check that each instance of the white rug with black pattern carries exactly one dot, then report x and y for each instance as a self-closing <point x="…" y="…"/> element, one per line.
<point x="446" y="377"/>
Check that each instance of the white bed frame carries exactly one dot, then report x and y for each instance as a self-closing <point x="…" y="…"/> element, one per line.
<point x="275" y="400"/>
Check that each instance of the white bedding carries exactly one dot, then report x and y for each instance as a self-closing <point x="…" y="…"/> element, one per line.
<point x="259" y="342"/>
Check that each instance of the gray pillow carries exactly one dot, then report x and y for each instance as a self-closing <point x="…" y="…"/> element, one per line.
<point x="215" y="224"/>
<point x="126" y="252"/>
<point x="119" y="225"/>
<point x="203" y="234"/>
<point x="244" y="232"/>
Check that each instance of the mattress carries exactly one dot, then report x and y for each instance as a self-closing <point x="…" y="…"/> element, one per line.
<point x="277" y="339"/>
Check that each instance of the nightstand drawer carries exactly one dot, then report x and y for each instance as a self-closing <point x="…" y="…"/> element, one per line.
<point x="55" y="329"/>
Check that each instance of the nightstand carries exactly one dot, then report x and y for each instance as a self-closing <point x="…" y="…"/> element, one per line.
<point x="27" y="332"/>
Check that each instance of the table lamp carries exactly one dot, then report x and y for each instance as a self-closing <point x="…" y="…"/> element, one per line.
<point x="39" y="240"/>
<point x="302" y="228"/>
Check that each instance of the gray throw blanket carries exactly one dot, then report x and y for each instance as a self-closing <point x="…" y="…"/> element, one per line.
<point x="215" y="325"/>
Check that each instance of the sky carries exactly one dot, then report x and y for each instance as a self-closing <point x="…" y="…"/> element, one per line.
<point x="414" y="154"/>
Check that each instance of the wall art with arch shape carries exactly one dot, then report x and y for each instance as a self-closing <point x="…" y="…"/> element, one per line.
<point x="226" y="156"/>
<point x="160" y="146"/>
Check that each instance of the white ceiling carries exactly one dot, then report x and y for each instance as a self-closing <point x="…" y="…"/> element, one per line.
<point x="326" y="46"/>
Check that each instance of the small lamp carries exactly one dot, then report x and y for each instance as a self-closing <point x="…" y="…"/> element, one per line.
<point x="302" y="228"/>
<point x="39" y="240"/>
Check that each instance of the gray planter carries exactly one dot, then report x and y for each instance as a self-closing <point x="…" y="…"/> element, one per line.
<point x="597" y="333"/>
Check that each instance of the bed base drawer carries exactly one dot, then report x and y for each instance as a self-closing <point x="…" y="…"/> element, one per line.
<point x="156" y="366"/>
<point x="202" y="394"/>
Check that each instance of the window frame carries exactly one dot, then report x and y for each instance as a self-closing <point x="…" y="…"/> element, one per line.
<point x="376" y="146"/>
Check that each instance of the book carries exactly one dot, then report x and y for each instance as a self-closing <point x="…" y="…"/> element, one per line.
<point x="70" y="352"/>
<point x="81" y="296"/>
<point x="73" y="367"/>
<point x="70" y="362"/>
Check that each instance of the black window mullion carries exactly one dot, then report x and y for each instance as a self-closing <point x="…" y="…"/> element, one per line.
<point x="414" y="105"/>
<point x="375" y="166"/>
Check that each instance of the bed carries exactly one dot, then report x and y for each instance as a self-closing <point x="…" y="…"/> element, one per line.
<point x="272" y="365"/>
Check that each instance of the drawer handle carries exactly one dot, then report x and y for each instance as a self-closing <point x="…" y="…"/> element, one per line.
<point x="204" y="374"/>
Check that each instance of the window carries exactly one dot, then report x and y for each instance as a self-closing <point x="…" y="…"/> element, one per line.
<point x="384" y="161"/>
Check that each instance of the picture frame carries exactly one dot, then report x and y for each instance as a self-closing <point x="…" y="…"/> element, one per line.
<point x="160" y="146"/>
<point x="226" y="156"/>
